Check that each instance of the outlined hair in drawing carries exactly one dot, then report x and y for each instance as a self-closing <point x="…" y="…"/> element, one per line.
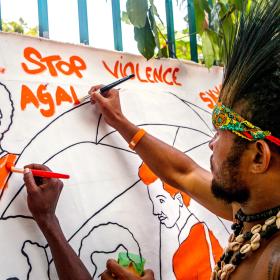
<point x="148" y="177"/>
<point x="6" y="110"/>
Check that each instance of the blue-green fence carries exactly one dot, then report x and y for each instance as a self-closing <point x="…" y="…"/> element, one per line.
<point x="116" y="14"/>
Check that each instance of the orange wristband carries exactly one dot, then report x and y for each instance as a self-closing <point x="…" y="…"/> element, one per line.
<point x="136" y="138"/>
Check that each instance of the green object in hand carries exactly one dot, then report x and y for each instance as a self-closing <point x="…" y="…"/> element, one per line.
<point x="133" y="262"/>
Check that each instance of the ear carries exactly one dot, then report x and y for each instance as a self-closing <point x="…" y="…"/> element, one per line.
<point x="179" y="197"/>
<point x="261" y="157"/>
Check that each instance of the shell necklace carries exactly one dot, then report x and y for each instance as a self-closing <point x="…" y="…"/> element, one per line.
<point x="242" y="244"/>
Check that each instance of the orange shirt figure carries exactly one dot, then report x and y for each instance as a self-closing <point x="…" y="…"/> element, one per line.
<point x="192" y="260"/>
<point x="198" y="247"/>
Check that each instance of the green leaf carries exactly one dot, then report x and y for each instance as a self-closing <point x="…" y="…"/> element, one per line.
<point x="163" y="52"/>
<point x="137" y="12"/>
<point x="145" y="40"/>
<point x="183" y="49"/>
<point x="125" y="18"/>
<point x="237" y="3"/>
<point x="155" y="12"/>
<point x="207" y="49"/>
<point x="154" y="30"/>
<point x="227" y="25"/>
<point x="201" y="7"/>
<point x="215" y="44"/>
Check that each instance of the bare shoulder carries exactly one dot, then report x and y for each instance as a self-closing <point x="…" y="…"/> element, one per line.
<point x="268" y="266"/>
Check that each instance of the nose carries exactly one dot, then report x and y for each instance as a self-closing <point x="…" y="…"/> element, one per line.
<point x="156" y="210"/>
<point x="211" y="142"/>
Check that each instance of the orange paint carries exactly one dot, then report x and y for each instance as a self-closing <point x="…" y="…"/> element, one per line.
<point x="192" y="259"/>
<point x="148" y="74"/>
<point x="158" y="74"/>
<point x="174" y="77"/>
<point x="168" y="70"/>
<point x="210" y="97"/>
<point x="62" y="96"/>
<point x="27" y="97"/>
<point x="2" y="70"/>
<point x="53" y="64"/>
<point x="137" y="73"/>
<point x="74" y="95"/>
<point x="44" y="100"/>
<point x="4" y="172"/>
<point x="148" y="177"/>
<point x="143" y="74"/>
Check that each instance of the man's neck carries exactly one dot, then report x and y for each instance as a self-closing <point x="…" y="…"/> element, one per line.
<point x="260" y="202"/>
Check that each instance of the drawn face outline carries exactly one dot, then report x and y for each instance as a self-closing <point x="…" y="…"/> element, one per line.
<point x="165" y="207"/>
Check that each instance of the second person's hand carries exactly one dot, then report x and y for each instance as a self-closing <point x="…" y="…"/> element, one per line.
<point x="115" y="271"/>
<point x="42" y="194"/>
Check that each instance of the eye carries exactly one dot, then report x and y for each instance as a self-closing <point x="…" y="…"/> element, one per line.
<point x="161" y="200"/>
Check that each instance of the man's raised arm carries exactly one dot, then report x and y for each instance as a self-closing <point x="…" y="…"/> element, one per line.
<point x="168" y="163"/>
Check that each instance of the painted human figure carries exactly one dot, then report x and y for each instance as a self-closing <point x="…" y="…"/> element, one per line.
<point x="198" y="247"/>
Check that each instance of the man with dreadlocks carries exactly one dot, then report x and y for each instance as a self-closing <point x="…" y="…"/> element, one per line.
<point x="244" y="182"/>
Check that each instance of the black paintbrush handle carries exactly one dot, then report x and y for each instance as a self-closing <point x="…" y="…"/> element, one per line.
<point x="110" y="86"/>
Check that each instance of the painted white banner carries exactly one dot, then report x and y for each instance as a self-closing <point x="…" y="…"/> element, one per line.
<point x="105" y="207"/>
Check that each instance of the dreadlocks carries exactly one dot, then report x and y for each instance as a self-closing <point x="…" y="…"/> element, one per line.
<point x="252" y="74"/>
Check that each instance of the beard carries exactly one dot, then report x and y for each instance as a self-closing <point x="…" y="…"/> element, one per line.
<point x="229" y="185"/>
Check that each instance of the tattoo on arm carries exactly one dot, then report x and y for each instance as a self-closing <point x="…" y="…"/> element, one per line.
<point x="274" y="265"/>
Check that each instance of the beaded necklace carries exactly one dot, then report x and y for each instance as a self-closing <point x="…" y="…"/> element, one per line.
<point x="242" y="244"/>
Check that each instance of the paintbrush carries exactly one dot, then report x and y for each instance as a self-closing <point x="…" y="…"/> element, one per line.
<point x="36" y="172"/>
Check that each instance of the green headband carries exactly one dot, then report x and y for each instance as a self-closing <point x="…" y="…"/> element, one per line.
<point x="225" y="119"/>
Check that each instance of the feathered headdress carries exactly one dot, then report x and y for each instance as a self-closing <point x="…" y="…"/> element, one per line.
<point x="254" y="54"/>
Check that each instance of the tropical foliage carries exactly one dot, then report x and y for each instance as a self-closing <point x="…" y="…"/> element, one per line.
<point x="215" y="22"/>
<point x="20" y="26"/>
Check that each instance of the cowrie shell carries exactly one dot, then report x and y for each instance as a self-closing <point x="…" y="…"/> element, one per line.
<point x="257" y="228"/>
<point x="264" y="227"/>
<point x="270" y="221"/>
<point x="231" y="238"/>
<point x="216" y="268"/>
<point x="255" y="246"/>
<point x="234" y="246"/>
<point x="255" y="238"/>
<point x="219" y="273"/>
<point x="224" y="276"/>
<point x="278" y="223"/>
<point x="245" y="249"/>
<point x="222" y="264"/>
<point x="229" y="268"/>
<point x="278" y="215"/>
<point x="239" y="238"/>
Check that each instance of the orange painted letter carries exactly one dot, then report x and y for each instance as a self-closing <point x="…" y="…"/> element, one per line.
<point x="28" y="52"/>
<point x="205" y="98"/>
<point x="46" y="98"/>
<point x="27" y="97"/>
<point x="77" y="67"/>
<point x="168" y="70"/>
<point x="62" y="96"/>
<point x="174" y="77"/>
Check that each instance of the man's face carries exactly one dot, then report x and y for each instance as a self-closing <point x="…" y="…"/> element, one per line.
<point x="228" y="183"/>
<point x="165" y="206"/>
